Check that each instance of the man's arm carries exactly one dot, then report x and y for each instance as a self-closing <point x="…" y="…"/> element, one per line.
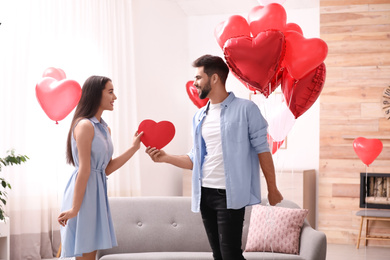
<point x="181" y="161"/>
<point x="267" y="166"/>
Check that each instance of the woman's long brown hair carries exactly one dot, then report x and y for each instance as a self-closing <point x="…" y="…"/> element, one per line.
<point x="87" y="107"/>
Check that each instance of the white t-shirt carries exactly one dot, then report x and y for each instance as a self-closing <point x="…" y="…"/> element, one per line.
<point x="213" y="168"/>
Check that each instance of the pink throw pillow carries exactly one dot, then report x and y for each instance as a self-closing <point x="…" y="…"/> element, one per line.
<point x="275" y="229"/>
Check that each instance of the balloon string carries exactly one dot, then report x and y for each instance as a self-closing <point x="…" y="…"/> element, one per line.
<point x="269" y="88"/>
<point x="367" y="185"/>
<point x="292" y="92"/>
<point x="366" y="191"/>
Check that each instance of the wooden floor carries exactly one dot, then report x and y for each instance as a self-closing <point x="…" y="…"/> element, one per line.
<point x="343" y="252"/>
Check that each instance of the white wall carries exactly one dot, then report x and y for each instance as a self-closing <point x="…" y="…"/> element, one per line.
<point x="161" y="61"/>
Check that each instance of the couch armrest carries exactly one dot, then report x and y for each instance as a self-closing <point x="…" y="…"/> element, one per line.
<point x="312" y="243"/>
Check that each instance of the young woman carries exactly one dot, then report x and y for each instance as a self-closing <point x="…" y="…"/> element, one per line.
<point x="85" y="217"/>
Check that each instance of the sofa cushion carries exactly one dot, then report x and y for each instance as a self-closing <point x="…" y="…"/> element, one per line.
<point x="275" y="229"/>
<point x="160" y="256"/>
<point x="196" y="256"/>
<point x="271" y="256"/>
<point x="157" y="224"/>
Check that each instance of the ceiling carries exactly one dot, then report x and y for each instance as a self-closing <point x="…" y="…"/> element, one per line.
<point x="215" y="7"/>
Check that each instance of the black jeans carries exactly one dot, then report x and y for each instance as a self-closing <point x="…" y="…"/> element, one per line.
<point x="223" y="226"/>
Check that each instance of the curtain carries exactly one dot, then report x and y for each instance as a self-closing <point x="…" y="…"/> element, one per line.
<point x="83" y="38"/>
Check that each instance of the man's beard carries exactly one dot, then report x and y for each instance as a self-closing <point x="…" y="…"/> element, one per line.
<point x="205" y="91"/>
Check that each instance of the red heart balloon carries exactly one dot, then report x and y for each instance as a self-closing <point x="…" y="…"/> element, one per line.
<point x="367" y="149"/>
<point x="249" y="87"/>
<point x="194" y="96"/>
<point x="301" y="94"/>
<point x="303" y="55"/>
<point x="55" y="73"/>
<point x="273" y="144"/>
<point x="155" y="134"/>
<point x="256" y="61"/>
<point x="274" y="82"/>
<point x="293" y="27"/>
<point x="57" y="98"/>
<point x="234" y="26"/>
<point x="262" y="18"/>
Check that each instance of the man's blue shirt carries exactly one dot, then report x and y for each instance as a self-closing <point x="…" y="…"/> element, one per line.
<point x="243" y="136"/>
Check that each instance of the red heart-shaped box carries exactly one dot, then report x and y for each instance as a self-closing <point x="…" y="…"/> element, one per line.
<point x="155" y="134"/>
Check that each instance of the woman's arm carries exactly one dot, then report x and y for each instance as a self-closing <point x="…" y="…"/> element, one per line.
<point x="119" y="161"/>
<point x="83" y="134"/>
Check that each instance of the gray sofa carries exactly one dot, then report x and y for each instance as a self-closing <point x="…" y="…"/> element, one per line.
<point x="165" y="228"/>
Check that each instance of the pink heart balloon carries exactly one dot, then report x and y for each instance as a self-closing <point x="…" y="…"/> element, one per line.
<point x="303" y="55"/>
<point x="55" y="73"/>
<point x="367" y="149"/>
<point x="57" y="98"/>
<point x="301" y="94"/>
<point x="235" y="26"/>
<point x="256" y="61"/>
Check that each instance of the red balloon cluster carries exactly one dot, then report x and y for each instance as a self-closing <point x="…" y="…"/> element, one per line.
<point x="265" y="51"/>
<point x="57" y="95"/>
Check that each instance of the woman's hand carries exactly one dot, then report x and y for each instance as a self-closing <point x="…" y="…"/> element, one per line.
<point x="65" y="216"/>
<point x="137" y="140"/>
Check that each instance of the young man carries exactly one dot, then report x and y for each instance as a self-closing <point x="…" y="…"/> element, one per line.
<point x="230" y="142"/>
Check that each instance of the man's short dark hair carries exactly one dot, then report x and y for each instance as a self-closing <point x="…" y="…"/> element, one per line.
<point x="211" y="65"/>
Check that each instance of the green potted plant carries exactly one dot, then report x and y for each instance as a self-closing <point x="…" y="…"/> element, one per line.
<point x="10" y="159"/>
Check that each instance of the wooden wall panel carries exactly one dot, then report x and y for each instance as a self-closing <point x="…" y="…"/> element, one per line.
<point x="358" y="70"/>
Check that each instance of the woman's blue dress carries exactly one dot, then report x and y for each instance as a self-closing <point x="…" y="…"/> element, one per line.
<point x="92" y="228"/>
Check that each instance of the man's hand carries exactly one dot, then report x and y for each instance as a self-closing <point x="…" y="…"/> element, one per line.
<point x="274" y="197"/>
<point x="155" y="154"/>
